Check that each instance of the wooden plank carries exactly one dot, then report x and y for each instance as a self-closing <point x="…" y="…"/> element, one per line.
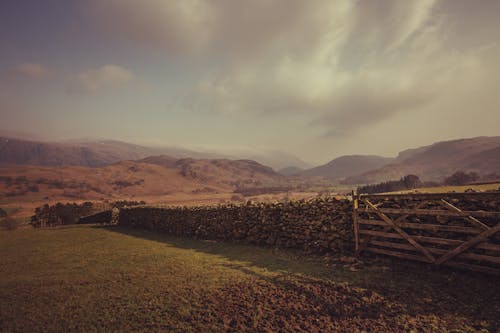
<point x="380" y="234"/>
<point x="355" y="223"/>
<point x="470" y="256"/>
<point x="433" y="196"/>
<point x="469" y="217"/>
<point x="437" y="227"/>
<point x="400" y="246"/>
<point x="425" y="226"/>
<point x="387" y="227"/>
<point x="404" y="217"/>
<point x="432" y="212"/>
<point x="469" y="244"/>
<point x="455" y="242"/>
<point x="432" y="240"/>
<point x="488" y="246"/>
<point x="372" y="222"/>
<point x="402" y="232"/>
<point x="397" y="254"/>
<point x="472" y="267"/>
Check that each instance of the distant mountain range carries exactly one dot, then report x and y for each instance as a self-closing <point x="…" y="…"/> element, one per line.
<point x="433" y="162"/>
<point x="104" y="152"/>
<point x="346" y="166"/>
<point x="91" y="154"/>
<point x="436" y="161"/>
<point x="149" y="177"/>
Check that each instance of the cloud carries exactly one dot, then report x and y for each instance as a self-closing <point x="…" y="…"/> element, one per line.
<point x="344" y="64"/>
<point x="31" y="70"/>
<point x="107" y="76"/>
<point x="178" y="26"/>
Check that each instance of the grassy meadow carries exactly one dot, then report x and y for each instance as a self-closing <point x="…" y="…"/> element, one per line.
<point x="93" y="279"/>
<point x="458" y="188"/>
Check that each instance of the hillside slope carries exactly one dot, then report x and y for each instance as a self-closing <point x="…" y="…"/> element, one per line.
<point x="153" y="176"/>
<point x="16" y="151"/>
<point x="88" y="152"/>
<point x="346" y="166"/>
<point x="436" y="161"/>
<point x="220" y="171"/>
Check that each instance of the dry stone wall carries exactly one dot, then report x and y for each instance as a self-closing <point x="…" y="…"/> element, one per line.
<point x="320" y="225"/>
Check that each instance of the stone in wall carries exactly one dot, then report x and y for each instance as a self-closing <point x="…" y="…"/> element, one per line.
<point x="319" y="225"/>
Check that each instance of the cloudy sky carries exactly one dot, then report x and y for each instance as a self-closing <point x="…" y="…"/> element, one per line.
<point x="315" y="78"/>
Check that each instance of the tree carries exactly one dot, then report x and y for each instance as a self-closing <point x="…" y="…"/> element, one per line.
<point x="407" y="182"/>
<point x="411" y="181"/>
<point x="461" y="178"/>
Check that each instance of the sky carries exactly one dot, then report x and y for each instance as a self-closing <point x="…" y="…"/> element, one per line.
<point x="317" y="78"/>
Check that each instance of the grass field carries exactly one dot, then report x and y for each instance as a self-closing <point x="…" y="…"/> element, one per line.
<point x="461" y="188"/>
<point x="86" y="279"/>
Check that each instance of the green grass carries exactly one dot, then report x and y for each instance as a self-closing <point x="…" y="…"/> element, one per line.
<point x="85" y="279"/>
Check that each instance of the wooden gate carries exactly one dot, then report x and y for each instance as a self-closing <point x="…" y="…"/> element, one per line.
<point x="453" y="229"/>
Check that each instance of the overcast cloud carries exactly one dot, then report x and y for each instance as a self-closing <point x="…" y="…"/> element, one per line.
<point x="348" y="64"/>
<point x="342" y="69"/>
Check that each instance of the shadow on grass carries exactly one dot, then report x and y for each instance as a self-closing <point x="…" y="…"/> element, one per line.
<point x="419" y="288"/>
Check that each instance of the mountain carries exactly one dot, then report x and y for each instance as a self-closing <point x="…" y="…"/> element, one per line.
<point x="81" y="153"/>
<point x="346" y="166"/>
<point x="18" y="151"/>
<point x="436" y="161"/>
<point x="162" y="160"/>
<point x="220" y="171"/>
<point x="277" y="159"/>
<point x="89" y="152"/>
<point x="290" y="171"/>
<point x="152" y="176"/>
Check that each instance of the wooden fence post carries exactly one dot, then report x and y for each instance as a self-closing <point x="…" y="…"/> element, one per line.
<point x="355" y="222"/>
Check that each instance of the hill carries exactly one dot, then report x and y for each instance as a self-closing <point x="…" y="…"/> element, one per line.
<point x="219" y="171"/>
<point x="88" y="152"/>
<point x="18" y="151"/>
<point x="278" y="160"/>
<point x="290" y="171"/>
<point x="152" y="176"/>
<point x="436" y="161"/>
<point x="346" y="166"/>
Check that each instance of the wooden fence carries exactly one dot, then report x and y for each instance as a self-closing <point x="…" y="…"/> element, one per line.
<point x="453" y="229"/>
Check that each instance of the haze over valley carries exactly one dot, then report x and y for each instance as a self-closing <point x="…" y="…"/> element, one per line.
<point x="249" y="166"/>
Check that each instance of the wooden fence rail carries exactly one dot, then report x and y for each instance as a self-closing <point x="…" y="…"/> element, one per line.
<point x="454" y="229"/>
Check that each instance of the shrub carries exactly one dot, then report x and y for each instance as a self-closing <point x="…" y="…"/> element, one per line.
<point x="461" y="178"/>
<point x="407" y="182"/>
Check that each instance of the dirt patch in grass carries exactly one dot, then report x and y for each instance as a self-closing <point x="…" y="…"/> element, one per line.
<point x="298" y="304"/>
<point x="301" y="304"/>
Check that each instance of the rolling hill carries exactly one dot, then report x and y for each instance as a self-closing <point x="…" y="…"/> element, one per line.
<point x="27" y="152"/>
<point x="88" y="152"/>
<point x="346" y="166"/>
<point x="152" y="176"/>
<point x="290" y="171"/>
<point x="436" y="161"/>
<point x="220" y="171"/>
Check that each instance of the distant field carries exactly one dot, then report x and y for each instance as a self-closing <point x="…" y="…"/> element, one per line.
<point x="85" y="278"/>
<point x="463" y="188"/>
